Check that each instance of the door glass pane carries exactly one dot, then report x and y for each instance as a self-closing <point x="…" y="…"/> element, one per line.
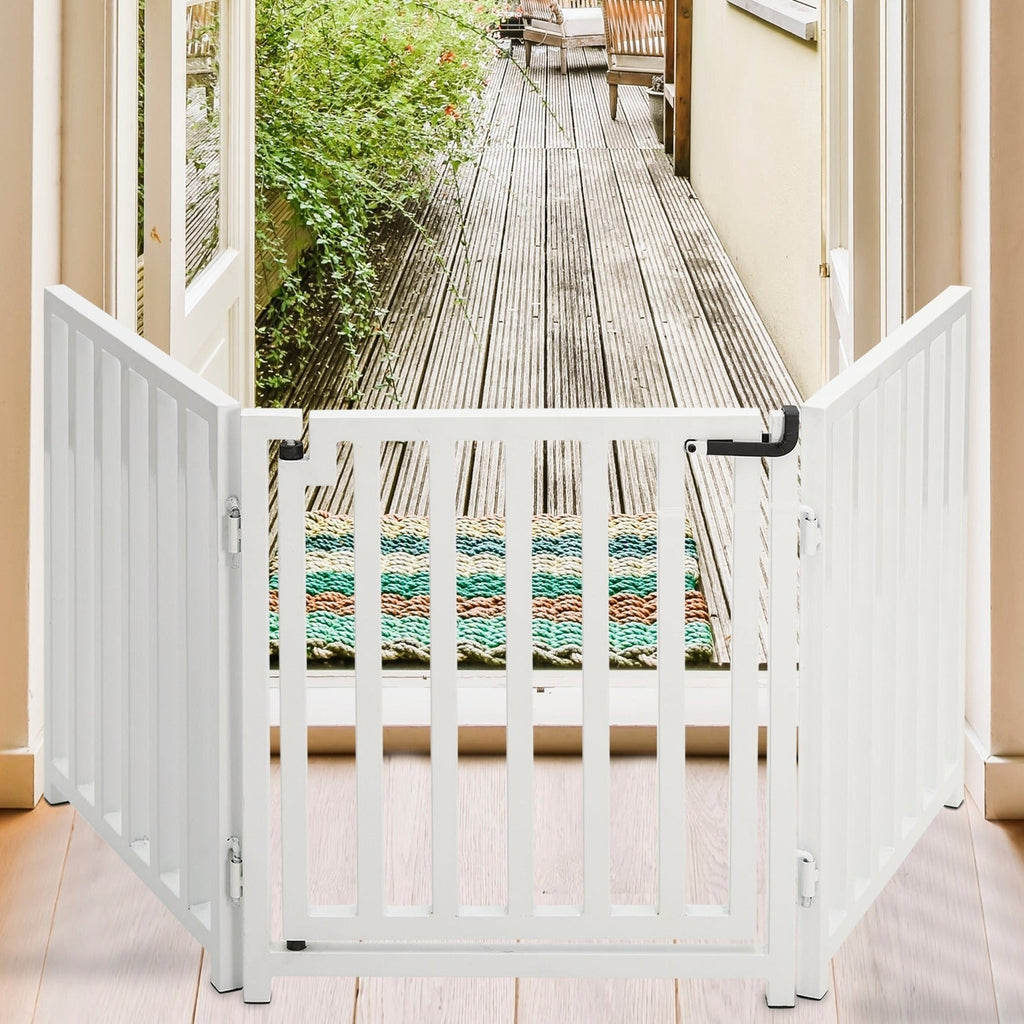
<point x="202" y="135"/>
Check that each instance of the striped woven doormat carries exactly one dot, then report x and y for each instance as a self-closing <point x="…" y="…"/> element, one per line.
<point x="480" y="547"/>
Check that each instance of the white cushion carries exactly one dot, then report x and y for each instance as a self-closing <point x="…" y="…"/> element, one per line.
<point x="582" y="21"/>
<point x="632" y="62"/>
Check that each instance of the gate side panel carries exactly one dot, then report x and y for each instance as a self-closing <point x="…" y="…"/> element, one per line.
<point x="882" y="606"/>
<point x="139" y="644"/>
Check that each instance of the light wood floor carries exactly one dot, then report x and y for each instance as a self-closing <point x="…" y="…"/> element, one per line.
<point x="82" y="940"/>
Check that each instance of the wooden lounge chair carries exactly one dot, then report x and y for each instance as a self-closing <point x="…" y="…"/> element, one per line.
<point x="201" y="21"/>
<point x="560" y="24"/>
<point x="635" y="39"/>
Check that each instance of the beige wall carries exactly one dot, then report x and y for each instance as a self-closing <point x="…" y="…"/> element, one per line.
<point x="933" y="173"/>
<point x="1007" y="376"/>
<point x="86" y="222"/>
<point x="974" y="215"/>
<point x="29" y="259"/>
<point x="756" y="165"/>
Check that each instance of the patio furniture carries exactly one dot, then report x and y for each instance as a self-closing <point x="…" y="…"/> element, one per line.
<point x="635" y="34"/>
<point x="202" y="22"/>
<point x="561" y="25"/>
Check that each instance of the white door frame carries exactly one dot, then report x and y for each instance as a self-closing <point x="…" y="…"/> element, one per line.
<point x="837" y="152"/>
<point x="208" y="325"/>
<point x="892" y="144"/>
<point x="846" y="84"/>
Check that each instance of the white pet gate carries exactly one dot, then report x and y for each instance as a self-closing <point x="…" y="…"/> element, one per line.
<point x="157" y="673"/>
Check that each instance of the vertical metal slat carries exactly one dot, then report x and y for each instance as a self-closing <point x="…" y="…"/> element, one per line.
<point x="671" y="749"/>
<point x="596" y="765"/>
<point x="746" y="618"/>
<point x="444" y="723"/>
<point x="369" y="712"/>
<point x="519" y="674"/>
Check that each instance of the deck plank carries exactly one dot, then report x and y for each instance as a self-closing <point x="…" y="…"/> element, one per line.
<point x="636" y="372"/>
<point x="576" y="376"/>
<point x="514" y="373"/>
<point x="461" y="330"/>
<point x="432" y="282"/>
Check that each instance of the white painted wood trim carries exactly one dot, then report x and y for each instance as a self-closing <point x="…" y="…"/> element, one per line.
<point x="995" y="783"/>
<point x="164" y="201"/>
<point x="214" y="290"/>
<point x="800" y="20"/>
<point x="123" y="153"/>
<point x="557" y="701"/>
<point x="837" y="179"/>
<point x="891" y="148"/>
<point x="394" y="959"/>
<point x="21" y="776"/>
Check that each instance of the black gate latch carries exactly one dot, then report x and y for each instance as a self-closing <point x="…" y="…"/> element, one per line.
<point x="766" y="448"/>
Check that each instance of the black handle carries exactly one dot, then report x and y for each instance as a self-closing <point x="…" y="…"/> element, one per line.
<point x="766" y="448"/>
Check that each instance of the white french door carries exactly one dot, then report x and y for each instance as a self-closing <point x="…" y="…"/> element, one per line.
<point x="837" y="57"/>
<point x="198" y="178"/>
<point x="853" y="78"/>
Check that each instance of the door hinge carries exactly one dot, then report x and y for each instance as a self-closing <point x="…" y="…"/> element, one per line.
<point x="810" y="532"/>
<point x="807" y="875"/>
<point x="824" y="270"/>
<point x="234" y="869"/>
<point x="234" y="517"/>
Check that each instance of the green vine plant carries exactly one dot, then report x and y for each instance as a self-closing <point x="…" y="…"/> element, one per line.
<point x="358" y="106"/>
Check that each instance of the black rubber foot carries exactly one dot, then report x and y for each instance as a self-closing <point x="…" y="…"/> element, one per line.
<point x="295" y="944"/>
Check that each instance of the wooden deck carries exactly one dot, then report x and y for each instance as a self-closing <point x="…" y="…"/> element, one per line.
<point x="567" y="267"/>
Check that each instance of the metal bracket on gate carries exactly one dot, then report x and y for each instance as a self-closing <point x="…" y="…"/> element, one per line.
<point x="807" y="875"/>
<point x="810" y="531"/>
<point x="766" y="448"/>
<point x="234" y="515"/>
<point x="234" y="869"/>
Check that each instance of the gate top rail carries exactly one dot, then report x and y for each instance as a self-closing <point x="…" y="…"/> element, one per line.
<point x="132" y="351"/>
<point x="914" y="335"/>
<point x="668" y="424"/>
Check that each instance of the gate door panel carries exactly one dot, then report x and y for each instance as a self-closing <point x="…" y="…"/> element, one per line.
<point x="882" y="640"/>
<point x="592" y="935"/>
<point x="140" y="465"/>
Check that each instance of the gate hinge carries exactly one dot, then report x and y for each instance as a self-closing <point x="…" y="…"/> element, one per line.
<point x="810" y="531"/>
<point x="807" y="875"/>
<point x="234" y="869"/>
<point x="824" y="270"/>
<point x="234" y="517"/>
